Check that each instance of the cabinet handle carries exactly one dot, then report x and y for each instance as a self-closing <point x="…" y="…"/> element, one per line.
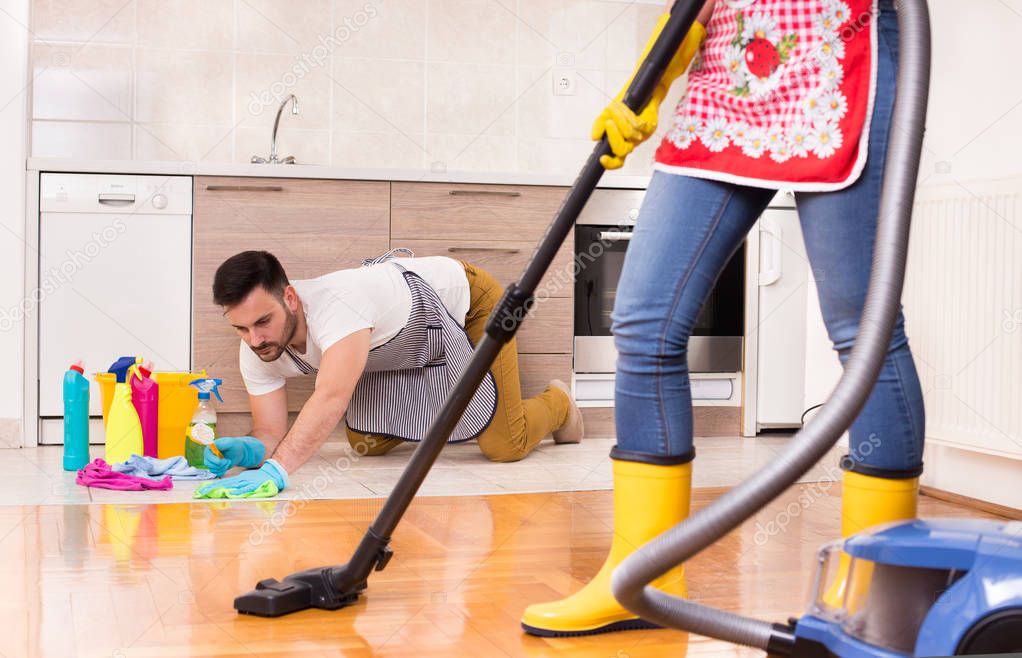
<point x="499" y="250"/>
<point x="613" y="236"/>
<point x="484" y="193"/>
<point x="244" y="188"/>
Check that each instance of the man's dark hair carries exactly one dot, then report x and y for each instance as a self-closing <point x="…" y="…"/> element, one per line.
<point x="242" y="273"/>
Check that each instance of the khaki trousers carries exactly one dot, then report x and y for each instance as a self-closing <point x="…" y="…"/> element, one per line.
<point x="518" y="425"/>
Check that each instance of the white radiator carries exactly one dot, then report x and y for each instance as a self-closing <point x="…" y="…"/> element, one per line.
<point x="963" y="308"/>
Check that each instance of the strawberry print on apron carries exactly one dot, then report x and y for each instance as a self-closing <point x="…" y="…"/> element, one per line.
<point x="779" y="96"/>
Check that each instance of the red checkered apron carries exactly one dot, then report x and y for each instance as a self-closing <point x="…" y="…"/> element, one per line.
<point x="780" y="96"/>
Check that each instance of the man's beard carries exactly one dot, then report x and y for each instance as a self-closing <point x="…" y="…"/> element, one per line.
<point x="274" y="350"/>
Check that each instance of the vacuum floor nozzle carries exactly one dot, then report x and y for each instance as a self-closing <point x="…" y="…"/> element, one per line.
<point x="299" y="591"/>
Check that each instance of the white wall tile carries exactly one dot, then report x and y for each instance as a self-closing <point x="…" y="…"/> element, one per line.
<point x="470" y="99"/>
<point x="476" y="31"/>
<point x="76" y="139"/>
<point x="186" y="24"/>
<point x="628" y="33"/>
<point x="96" y="21"/>
<point x="378" y="150"/>
<point x="178" y="141"/>
<point x="543" y="115"/>
<point x="553" y="156"/>
<point x="472" y="152"/>
<point x="263" y="81"/>
<point x="272" y="26"/>
<point x="576" y="28"/>
<point x="389" y="29"/>
<point x="85" y="82"/>
<point x="464" y="84"/>
<point x="378" y="95"/>
<point x="184" y="86"/>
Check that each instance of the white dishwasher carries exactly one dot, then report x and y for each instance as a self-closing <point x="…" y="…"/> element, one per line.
<point x="114" y="279"/>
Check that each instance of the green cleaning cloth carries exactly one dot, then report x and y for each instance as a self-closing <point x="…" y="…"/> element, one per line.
<point x="267" y="489"/>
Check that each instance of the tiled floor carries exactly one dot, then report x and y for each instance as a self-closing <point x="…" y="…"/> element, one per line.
<point x="33" y="476"/>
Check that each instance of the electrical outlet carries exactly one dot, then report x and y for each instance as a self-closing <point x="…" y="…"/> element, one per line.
<point x="565" y="82"/>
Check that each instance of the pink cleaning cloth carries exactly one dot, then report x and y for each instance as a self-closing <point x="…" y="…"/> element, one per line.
<point x="99" y="474"/>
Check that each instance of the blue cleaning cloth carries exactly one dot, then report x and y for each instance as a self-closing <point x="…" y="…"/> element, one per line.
<point x="155" y="469"/>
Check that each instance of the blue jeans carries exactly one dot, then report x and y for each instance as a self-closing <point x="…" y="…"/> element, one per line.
<point x="686" y="232"/>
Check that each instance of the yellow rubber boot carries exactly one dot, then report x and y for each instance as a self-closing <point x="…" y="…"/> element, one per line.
<point x="648" y="499"/>
<point x="867" y="501"/>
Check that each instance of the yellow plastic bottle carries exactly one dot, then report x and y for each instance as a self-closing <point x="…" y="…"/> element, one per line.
<point x="123" y="428"/>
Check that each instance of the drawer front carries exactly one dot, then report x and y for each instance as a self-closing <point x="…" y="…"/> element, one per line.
<point x="548" y="329"/>
<point x="538" y="369"/>
<point x="291" y="206"/>
<point x="505" y="260"/>
<point x="456" y="211"/>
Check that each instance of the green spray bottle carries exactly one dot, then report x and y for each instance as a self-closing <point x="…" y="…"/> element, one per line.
<point x="202" y="429"/>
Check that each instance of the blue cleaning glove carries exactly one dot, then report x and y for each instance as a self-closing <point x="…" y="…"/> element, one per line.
<point x="244" y="451"/>
<point x="263" y="482"/>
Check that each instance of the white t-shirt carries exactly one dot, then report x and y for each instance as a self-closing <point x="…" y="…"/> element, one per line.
<point x="340" y="303"/>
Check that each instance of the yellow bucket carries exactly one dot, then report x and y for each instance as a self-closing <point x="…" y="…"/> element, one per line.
<point x="106" y="381"/>
<point x="177" y="403"/>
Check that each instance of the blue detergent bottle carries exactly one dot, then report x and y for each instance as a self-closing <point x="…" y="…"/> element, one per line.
<point x="76" y="418"/>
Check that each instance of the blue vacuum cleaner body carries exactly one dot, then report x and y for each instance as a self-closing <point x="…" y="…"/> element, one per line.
<point x="937" y="587"/>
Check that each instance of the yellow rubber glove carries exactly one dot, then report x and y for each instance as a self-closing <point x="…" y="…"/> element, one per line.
<point x="624" y="129"/>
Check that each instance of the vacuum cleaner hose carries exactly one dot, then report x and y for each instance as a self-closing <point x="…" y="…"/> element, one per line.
<point x="631" y="580"/>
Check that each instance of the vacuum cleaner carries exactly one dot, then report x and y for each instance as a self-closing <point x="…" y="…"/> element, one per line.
<point x="334" y="587"/>
<point x="947" y="583"/>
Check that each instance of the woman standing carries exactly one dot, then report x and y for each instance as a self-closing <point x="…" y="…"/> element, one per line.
<point x="785" y="94"/>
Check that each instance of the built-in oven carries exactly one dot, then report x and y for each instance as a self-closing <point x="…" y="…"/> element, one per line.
<point x="602" y="236"/>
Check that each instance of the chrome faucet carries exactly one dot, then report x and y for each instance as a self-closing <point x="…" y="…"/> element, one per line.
<point x="273" y="139"/>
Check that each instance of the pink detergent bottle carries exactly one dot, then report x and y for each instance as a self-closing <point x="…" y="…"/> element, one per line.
<point x="145" y="397"/>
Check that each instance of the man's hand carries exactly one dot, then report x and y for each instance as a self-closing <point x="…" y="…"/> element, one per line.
<point x="266" y="481"/>
<point x="244" y="451"/>
<point x="339" y="371"/>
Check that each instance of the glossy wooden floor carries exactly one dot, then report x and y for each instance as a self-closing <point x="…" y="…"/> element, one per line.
<point x="158" y="580"/>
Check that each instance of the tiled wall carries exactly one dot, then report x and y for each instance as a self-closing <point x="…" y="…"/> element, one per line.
<point x="458" y="84"/>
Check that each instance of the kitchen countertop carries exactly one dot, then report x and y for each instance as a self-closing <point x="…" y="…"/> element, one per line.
<point x="171" y="168"/>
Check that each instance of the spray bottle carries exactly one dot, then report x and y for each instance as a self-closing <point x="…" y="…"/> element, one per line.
<point x="123" y="429"/>
<point x="76" y="418"/>
<point x="145" y="396"/>
<point x="202" y="429"/>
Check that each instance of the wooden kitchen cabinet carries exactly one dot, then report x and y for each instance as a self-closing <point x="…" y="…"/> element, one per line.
<point x="318" y="226"/>
<point x="497" y="227"/>
<point x="456" y="211"/>
<point x="536" y="371"/>
<point x="312" y="226"/>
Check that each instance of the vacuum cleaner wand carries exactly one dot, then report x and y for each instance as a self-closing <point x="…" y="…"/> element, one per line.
<point x="630" y="582"/>
<point x="330" y="588"/>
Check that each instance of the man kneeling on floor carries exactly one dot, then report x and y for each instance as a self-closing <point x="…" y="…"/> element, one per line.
<point x="386" y="342"/>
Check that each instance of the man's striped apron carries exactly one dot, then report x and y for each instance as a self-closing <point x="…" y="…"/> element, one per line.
<point x="406" y="379"/>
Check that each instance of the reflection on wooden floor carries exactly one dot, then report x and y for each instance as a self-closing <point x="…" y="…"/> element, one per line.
<point x="158" y="580"/>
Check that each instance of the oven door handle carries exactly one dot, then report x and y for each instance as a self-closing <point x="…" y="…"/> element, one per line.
<point x="613" y="236"/>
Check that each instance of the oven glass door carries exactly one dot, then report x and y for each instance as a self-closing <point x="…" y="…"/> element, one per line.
<point x="600" y="254"/>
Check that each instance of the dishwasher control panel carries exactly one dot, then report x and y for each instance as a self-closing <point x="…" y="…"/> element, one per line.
<point x="60" y="192"/>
